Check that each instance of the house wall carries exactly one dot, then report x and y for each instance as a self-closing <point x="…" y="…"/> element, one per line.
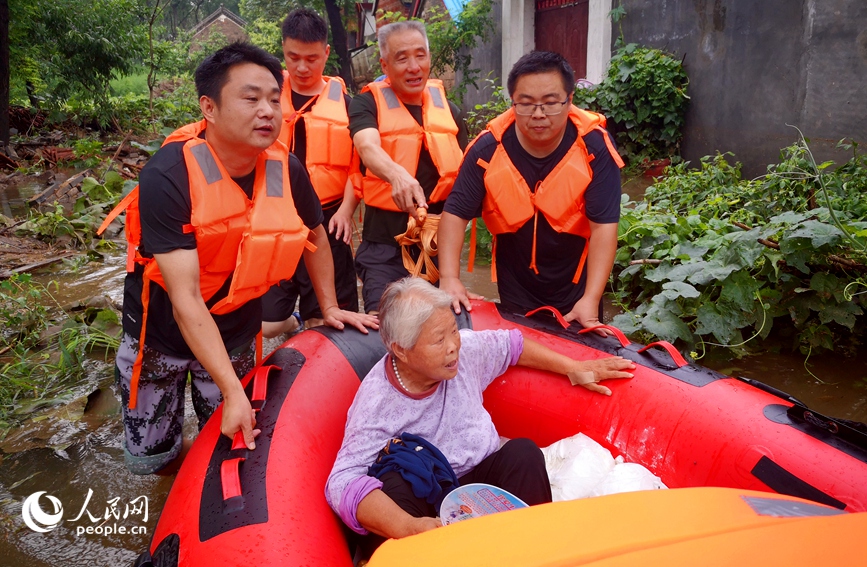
<point x="598" y="40"/>
<point x="755" y="67"/>
<point x="227" y="27"/>
<point x="488" y="58"/>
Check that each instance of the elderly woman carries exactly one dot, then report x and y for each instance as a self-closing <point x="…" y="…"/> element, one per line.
<point x="430" y="384"/>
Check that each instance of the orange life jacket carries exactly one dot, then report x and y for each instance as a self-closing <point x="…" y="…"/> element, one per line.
<point x="331" y="159"/>
<point x="509" y="203"/>
<point x="402" y="139"/>
<point x="257" y="243"/>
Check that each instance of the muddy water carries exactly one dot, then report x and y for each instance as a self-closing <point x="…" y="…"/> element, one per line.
<point x="75" y="448"/>
<point x="13" y="197"/>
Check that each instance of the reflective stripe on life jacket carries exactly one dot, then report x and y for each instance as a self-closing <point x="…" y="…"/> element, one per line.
<point x="509" y="203"/>
<point x="257" y="243"/>
<point x="330" y="156"/>
<point x="402" y="139"/>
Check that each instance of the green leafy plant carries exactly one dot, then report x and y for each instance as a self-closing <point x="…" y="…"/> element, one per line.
<point x="497" y="103"/>
<point x="86" y="215"/>
<point x="644" y="98"/>
<point x="22" y="310"/>
<point x="43" y="348"/>
<point x="484" y="241"/>
<point x="88" y="152"/>
<point x="708" y="257"/>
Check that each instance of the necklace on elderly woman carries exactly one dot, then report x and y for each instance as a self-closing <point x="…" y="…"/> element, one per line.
<point x="397" y="375"/>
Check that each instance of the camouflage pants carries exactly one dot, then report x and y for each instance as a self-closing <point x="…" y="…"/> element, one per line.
<point x="153" y="430"/>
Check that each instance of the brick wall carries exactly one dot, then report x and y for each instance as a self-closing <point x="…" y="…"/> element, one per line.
<point x="225" y="26"/>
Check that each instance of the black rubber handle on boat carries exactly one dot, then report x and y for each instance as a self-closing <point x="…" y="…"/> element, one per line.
<point x="675" y="355"/>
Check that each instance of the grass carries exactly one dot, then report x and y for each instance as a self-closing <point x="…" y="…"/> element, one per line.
<point x="130" y="84"/>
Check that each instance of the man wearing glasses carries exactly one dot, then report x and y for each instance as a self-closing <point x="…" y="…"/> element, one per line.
<point x="545" y="177"/>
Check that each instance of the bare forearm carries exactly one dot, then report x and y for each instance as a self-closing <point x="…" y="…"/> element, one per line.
<point x="540" y="357"/>
<point x="203" y="337"/>
<point x="379" y="514"/>
<point x="450" y="241"/>
<point x="350" y="201"/>
<point x="377" y="161"/>
<point x="602" y="247"/>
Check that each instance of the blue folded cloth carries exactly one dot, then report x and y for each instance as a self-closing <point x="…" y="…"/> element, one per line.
<point x="420" y="463"/>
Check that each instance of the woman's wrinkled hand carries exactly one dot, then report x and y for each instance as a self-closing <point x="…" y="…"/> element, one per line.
<point x="589" y="373"/>
<point x="419" y="525"/>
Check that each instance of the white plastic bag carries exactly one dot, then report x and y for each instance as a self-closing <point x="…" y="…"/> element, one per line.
<point x="579" y="467"/>
<point x="627" y="477"/>
<point x="576" y="465"/>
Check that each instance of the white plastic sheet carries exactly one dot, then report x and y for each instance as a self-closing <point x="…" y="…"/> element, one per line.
<point x="579" y="467"/>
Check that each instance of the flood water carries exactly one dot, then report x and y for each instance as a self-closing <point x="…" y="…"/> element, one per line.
<point x="70" y="450"/>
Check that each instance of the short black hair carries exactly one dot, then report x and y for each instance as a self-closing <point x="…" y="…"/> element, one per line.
<point x="541" y="62"/>
<point x="306" y="26"/>
<point x="213" y="73"/>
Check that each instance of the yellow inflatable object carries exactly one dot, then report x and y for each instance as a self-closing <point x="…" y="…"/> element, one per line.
<point x="689" y="526"/>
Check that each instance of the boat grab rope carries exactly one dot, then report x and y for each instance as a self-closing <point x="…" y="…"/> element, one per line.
<point x="421" y="234"/>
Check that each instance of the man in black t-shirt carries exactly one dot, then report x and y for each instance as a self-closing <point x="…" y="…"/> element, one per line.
<point x="546" y="179"/>
<point x="396" y="183"/>
<point x="315" y="108"/>
<point x="195" y="312"/>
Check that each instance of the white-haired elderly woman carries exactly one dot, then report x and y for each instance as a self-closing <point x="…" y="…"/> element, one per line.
<point x="430" y="384"/>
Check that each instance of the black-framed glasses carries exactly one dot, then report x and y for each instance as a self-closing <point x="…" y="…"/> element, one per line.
<point x="549" y="108"/>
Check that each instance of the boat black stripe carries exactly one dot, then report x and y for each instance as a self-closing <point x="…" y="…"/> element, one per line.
<point x="363" y="351"/>
<point x="251" y="507"/>
<point x="360" y="350"/>
<point x="786" y="415"/>
<point x="780" y="480"/>
<point x="660" y="361"/>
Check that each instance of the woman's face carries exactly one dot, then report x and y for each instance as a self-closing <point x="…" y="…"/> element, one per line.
<point x="435" y="354"/>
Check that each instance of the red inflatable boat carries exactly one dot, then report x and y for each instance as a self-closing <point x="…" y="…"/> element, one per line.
<point x="689" y="425"/>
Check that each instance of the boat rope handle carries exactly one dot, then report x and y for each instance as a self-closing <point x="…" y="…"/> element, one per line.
<point x="230" y="477"/>
<point x="678" y="359"/>
<point x="614" y="330"/>
<point x="554" y="311"/>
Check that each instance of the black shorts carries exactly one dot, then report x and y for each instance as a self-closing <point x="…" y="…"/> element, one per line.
<point x="378" y="265"/>
<point x="278" y="303"/>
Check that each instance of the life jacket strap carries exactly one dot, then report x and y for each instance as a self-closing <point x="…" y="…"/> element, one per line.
<point x="533" y="250"/>
<point x="293" y="118"/>
<point x="582" y="261"/>
<point x="494" y="258"/>
<point x="472" y="257"/>
<point x="115" y="212"/>
<point x="535" y="226"/>
<point x="614" y="155"/>
<point x="136" y="367"/>
<point x="259" y="347"/>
